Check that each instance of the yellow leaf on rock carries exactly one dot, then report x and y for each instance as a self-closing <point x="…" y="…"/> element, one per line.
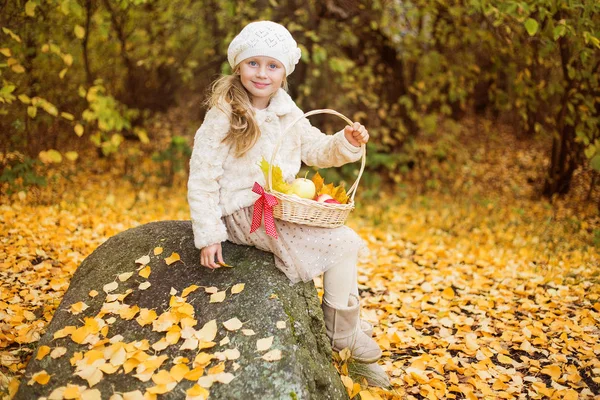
<point x="173" y="334"/>
<point x="134" y="395"/>
<point x="80" y="334"/>
<point x="179" y="371"/>
<point x="91" y="394"/>
<point x="174" y="257"/>
<point x="158" y="250"/>
<point x="208" y="331"/>
<point x="127" y="313"/>
<point x="206" y="345"/>
<point x="58" y="352"/>
<point x="264" y="344"/>
<point x="194" y="374"/>
<point x="272" y="355"/>
<point x="109" y="287"/>
<point x="189" y="290"/>
<point x="217" y="297"/>
<point x="366" y="395"/>
<point x="161" y="389"/>
<point x="162" y="377"/>
<point x="124" y="276"/>
<point x="143" y="260"/>
<point x="224" y="377"/>
<point x="232" y="324"/>
<point x="71" y="392"/>
<point x="93" y="293"/>
<point x="109" y="368"/>
<point x="217" y="369"/>
<point x="40" y="377"/>
<point x="145" y="272"/>
<point x="197" y="392"/>
<point x="146" y="316"/>
<point x="203" y="359"/>
<point x="42" y="352"/>
<point x="78" y="307"/>
<point x="237" y="288"/>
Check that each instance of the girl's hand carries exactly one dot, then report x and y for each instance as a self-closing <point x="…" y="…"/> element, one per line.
<point x="207" y="256"/>
<point x="356" y="134"/>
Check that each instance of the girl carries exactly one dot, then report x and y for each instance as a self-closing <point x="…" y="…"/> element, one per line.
<point x="248" y="112"/>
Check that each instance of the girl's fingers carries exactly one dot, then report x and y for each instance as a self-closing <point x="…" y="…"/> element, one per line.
<point x="220" y="255"/>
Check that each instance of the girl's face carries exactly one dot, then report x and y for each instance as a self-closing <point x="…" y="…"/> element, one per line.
<point x="262" y="77"/>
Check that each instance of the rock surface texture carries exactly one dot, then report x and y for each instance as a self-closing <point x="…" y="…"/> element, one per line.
<point x="118" y="345"/>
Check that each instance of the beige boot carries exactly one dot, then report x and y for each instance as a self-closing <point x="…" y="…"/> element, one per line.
<point x="366" y="327"/>
<point x="343" y="329"/>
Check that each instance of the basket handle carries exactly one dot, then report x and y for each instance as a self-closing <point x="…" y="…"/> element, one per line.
<point x="352" y="191"/>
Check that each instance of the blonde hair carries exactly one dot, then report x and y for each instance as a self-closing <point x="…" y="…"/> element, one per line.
<point x="229" y="94"/>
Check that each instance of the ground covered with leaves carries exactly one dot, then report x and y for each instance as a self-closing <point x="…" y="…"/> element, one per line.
<point x="471" y="296"/>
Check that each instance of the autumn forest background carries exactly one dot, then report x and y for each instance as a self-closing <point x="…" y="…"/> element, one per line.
<point x="479" y="200"/>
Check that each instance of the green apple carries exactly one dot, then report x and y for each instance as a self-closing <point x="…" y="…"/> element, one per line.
<point x="304" y="188"/>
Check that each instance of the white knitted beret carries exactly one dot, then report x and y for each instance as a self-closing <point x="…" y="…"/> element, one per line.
<point x="264" y="38"/>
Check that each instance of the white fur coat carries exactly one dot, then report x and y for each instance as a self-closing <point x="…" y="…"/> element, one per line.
<point x="220" y="183"/>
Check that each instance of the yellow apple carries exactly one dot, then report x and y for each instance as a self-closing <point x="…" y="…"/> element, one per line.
<point x="304" y="188"/>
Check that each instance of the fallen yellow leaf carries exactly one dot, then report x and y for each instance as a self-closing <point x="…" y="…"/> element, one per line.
<point x="264" y="344"/>
<point x="189" y="290"/>
<point x="232" y="324"/>
<point x="40" y="377"/>
<point x="174" y="257"/>
<point x="145" y="272"/>
<point x="42" y="352"/>
<point x="237" y="288"/>
<point x="217" y="297"/>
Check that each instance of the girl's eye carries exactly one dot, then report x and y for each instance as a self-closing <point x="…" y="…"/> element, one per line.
<point x="273" y="66"/>
<point x="252" y="63"/>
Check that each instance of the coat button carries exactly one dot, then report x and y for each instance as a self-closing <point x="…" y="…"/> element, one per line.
<point x="268" y="119"/>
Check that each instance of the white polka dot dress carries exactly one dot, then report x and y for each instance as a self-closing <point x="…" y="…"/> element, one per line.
<point x="302" y="252"/>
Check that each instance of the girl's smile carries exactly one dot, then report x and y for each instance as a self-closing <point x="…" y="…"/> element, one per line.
<point x="260" y="85"/>
<point x="261" y="76"/>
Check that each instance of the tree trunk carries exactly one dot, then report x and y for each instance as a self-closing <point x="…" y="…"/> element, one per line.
<point x="564" y="148"/>
<point x="86" y="62"/>
<point x="131" y="92"/>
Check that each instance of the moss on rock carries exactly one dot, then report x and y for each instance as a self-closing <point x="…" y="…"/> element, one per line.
<point x="305" y="370"/>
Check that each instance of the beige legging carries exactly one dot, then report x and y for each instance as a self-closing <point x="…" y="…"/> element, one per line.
<point x="341" y="280"/>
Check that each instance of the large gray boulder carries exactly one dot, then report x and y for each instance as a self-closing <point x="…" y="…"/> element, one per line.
<point x="304" y="370"/>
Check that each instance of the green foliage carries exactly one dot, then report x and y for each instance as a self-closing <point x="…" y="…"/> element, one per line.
<point x="400" y="68"/>
<point x="173" y="159"/>
<point x="19" y="173"/>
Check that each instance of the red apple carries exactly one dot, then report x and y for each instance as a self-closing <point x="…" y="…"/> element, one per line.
<point x="322" y="198"/>
<point x="332" y="201"/>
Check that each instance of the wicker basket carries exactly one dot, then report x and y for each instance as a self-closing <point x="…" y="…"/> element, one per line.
<point x="308" y="211"/>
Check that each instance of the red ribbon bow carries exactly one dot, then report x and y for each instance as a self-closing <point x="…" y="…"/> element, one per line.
<point x="265" y="203"/>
